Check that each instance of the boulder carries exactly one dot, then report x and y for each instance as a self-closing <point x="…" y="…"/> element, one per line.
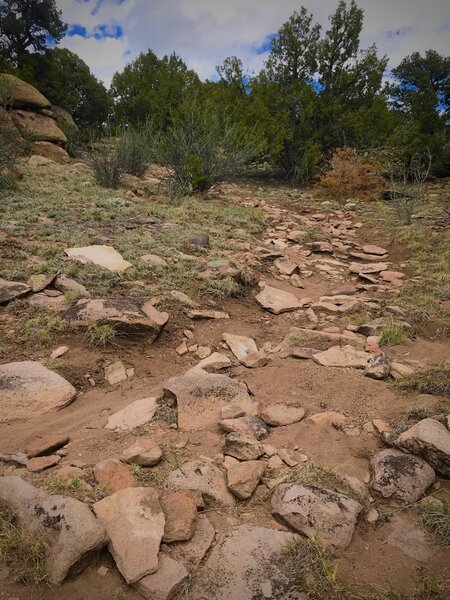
<point x="65" y="284"/>
<point x="64" y="120"/>
<point x="246" y="564"/>
<point x="280" y="414"/>
<point x="200" y="396"/>
<point x="28" y="390"/>
<point x="113" y="474"/>
<point x="144" y="452"/>
<point x="36" y="127"/>
<point x="10" y="290"/>
<point x="180" y="511"/>
<point x="50" y="151"/>
<point x="103" y="256"/>
<point x="399" y="476"/>
<point x="137" y="413"/>
<point x="342" y="356"/>
<point x="164" y="584"/>
<point x="430" y="440"/>
<point x="126" y="315"/>
<point x="315" y="511"/>
<point x="277" y="301"/>
<point x="134" y="522"/>
<point x="203" y="477"/>
<point x="22" y="94"/>
<point x="243" y="446"/>
<point x="192" y="552"/>
<point x="378" y="367"/>
<point x="70" y="532"/>
<point x="243" y="478"/>
<point x="247" y="425"/>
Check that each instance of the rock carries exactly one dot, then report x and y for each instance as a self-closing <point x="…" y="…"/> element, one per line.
<point x="70" y="532"/>
<point x="246" y="564"/>
<point x="197" y="315"/>
<point x="371" y="249"/>
<point x="65" y="284"/>
<point x="113" y="474"/>
<point x="286" y="266"/>
<point x="378" y="367"/>
<point x="37" y="127"/>
<point x="144" y="452"/>
<point x="372" y="345"/>
<point x="399" y="370"/>
<point x="201" y="240"/>
<point x="115" y="373"/>
<point x="103" y="256"/>
<point x="410" y="539"/>
<point x="399" y="476"/>
<point x="231" y="411"/>
<point x="203" y="477"/>
<point x="381" y="426"/>
<point x="203" y="352"/>
<point x="181" y="517"/>
<point x="44" y="302"/>
<point x="252" y="425"/>
<point x="315" y="511"/>
<point x="214" y="362"/>
<point x="126" y="315"/>
<point x="296" y="281"/>
<point x="46" y="444"/>
<point x="243" y="446"/>
<point x="374" y="327"/>
<point x="192" y="552"/>
<point x="430" y="440"/>
<point x="22" y="94"/>
<point x="276" y="301"/>
<point x="303" y="353"/>
<point x="183" y="298"/>
<point x="301" y="337"/>
<point x="182" y="349"/>
<point x="275" y="463"/>
<point x="153" y="259"/>
<point x="328" y="418"/>
<point x="290" y="457"/>
<point x="243" y="478"/>
<point x="372" y="515"/>
<point x="40" y="463"/>
<point x="200" y="396"/>
<point x="297" y="235"/>
<point x="321" y="247"/>
<point x="137" y="413"/>
<point x="342" y="356"/>
<point x="58" y="352"/>
<point x="282" y="414"/>
<point x="392" y="276"/>
<point x="39" y="161"/>
<point x="50" y="151"/>
<point x="134" y="522"/>
<point x="40" y="282"/>
<point x="164" y="584"/>
<point x="10" y="290"/>
<point x="364" y="268"/>
<point x="28" y="390"/>
<point x="240" y="345"/>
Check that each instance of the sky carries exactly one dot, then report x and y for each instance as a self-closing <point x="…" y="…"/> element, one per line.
<point x="108" y="34"/>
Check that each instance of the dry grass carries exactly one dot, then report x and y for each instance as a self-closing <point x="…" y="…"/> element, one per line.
<point x="435" y="381"/>
<point x="391" y="334"/>
<point x="436" y="519"/>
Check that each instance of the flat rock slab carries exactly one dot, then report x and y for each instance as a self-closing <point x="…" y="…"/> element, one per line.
<point x="401" y="477"/>
<point x="167" y="580"/>
<point x="203" y="477"/>
<point x="134" y="522"/>
<point x="430" y="440"/>
<point x="10" y="290"/>
<point x="243" y="477"/>
<point x="277" y="301"/>
<point x="137" y="413"/>
<point x="45" y="444"/>
<point x="144" y="452"/>
<point x="191" y="553"/>
<point x="128" y="316"/>
<point x="315" y="511"/>
<point x="280" y="414"/>
<point x="41" y="463"/>
<point x="198" y="315"/>
<point x="245" y="565"/>
<point x="212" y="363"/>
<point x="102" y="256"/>
<point x="248" y="425"/>
<point x="371" y="249"/>
<point x="368" y="268"/>
<point x="29" y="390"/>
<point x="114" y="474"/>
<point x="180" y="511"/>
<point x="200" y="396"/>
<point x="70" y="532"/>
<point x="343" y="356"/>
<point x="239" y="345"/>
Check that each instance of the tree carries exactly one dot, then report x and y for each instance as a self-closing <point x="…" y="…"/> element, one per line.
<point x="66" y="80"/>
<point x="151" y="88"/>
<point x="27" y="24"/>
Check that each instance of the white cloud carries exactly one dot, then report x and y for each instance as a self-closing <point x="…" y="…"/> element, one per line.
<point x="205" y="32"/>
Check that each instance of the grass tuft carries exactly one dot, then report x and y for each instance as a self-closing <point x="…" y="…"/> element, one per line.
<point x="101" y="336"/>
<point x="391" y="334"/>
<point x="436" y="519"/>
<point x="435" y="381"/>
<point x="43" y="329"/>
<point x="223" y="288"/>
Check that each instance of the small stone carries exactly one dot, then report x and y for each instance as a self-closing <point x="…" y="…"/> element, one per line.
<point x="114" y="474"/>
<point x="137" y="413"/>
<point x="203" y="352"/>
<point x="281" y="414"/>
<point x="59" y="352"/>
<point x="275" y="463"/>
<point x="277" y="301"/>
<point x="242" y="446"/>
<point x="102" y="571"/>
<point x="46" y="444"/>
<point x="377" y="367"/>
<point x="188" y="334"/>
<point x="183" y="298"/>
<point x="207" y="314"/>
<point x="231" y="411"/>
<point x="181" y="517"/>
<point x="371" y="249"/>
<point x="153" y="259"/>
<point x="381" y="426"/>
<point x="164" y="584"/>
<point x="328" y="418"/>
<point x="250" y="425"/>
<point x="103" y="256"/>
<point x="115" y="373"/>
<point x="40" y="463"/>
<point x="144" y="452"/>
<point x="372" y="515"/>
<point x="269" y="450"/>
<point x="372" y="345"/>
<point x="296" y="281"/>
<point x="291" y="458"/>
<point x="243" y="478"/>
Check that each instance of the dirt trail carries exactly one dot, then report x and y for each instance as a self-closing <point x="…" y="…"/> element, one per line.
<point x="373" y="558"/>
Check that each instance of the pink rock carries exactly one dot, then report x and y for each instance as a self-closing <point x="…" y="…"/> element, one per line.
<point x="114" y="474"/>
<point x="40" y="463"/>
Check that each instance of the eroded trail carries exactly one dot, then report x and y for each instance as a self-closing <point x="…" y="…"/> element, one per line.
<point x="245" y="422"/>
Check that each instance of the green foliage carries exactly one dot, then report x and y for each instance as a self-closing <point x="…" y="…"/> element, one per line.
<point x="43" y="330"/>
<point x="101" y="335"/>
<point x="25" y="23"/>
<point x="391" y="334"/>
<point x="136" y="149"/>
<point x="105" y="162"/>
<point x="436" y="519"/>
<point x="434" y="381"/>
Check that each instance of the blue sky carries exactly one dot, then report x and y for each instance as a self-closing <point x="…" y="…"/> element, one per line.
<point x="107" y="34"/>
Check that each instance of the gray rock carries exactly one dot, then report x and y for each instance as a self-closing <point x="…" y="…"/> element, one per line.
<point x="137" y="413"/>
<point x="191" y="553"/>
<point x="243" y="446"/>
<point x="28" y="390"/>
<point x="103" y="256"/>
<point x="126" y="315"/>
<point x="167" y="580"/>
<point x="277" y="301"/>
<point x="247" y="425"/>
<point x="70" y="532"/>
<point x="430" y="440"/>
<point x="280" y="414"/>
<point x="65" y="284"/>
<point x="10" y="290"/>
<point x="316" y="511"/>
<point x="378" y="367"/>
<point x="399" y="476"/>
<point x="342" y="356"/>
<point x="134" y="522"/>
<point x="203" y="477"/>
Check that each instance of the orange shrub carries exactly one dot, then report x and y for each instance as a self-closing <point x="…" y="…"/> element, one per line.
<point x="351" y="176"/>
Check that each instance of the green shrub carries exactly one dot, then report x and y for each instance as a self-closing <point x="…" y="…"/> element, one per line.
<point x="101" y="335"/>
<point x="135" y="150"/>
<point x="434" y="381"/>
<point x="391" y="334"/>
<point x="108" y="170"/>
